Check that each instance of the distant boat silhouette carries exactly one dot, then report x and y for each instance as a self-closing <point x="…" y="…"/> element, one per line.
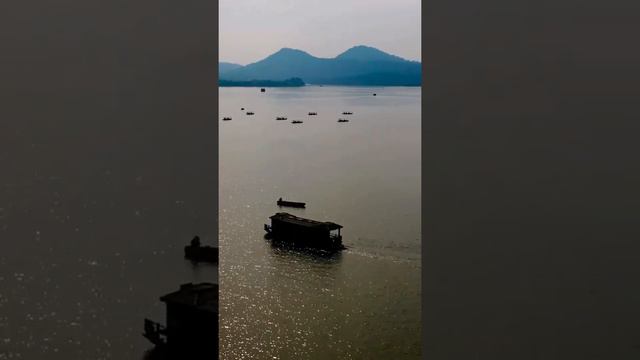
<point x="343" y="120"/>
<point x="347" y="113"/>
<point x="241" y="108"/>
<point x="226" y="118"/>
<point x="250" y="113"/>
<point x="294" y="204"/>
<point x="196" y="252"/>
<point x="296" y="122"/>
<point x="374" y="94"/>
<point x="313" y="113"/>
<point x="281" y="118"/>
<point x="262" y="90"/>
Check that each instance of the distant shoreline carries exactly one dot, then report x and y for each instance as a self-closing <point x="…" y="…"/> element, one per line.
<point x="318" y="85"/>
<point x="367" y="85"/>
<point x="293" y="82"/>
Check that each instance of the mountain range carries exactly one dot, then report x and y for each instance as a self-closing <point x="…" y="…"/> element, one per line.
<point x="360" y="65"/>
<point x="223" y="67"/>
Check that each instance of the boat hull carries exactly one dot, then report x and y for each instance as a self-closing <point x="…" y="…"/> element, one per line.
<point x="291" y="204"/>
<point x="304" y="241"/>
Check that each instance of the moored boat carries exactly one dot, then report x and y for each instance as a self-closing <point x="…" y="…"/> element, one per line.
<point x="197" y="253"/>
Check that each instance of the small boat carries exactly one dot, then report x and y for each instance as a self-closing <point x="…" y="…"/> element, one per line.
<point x="241" y="108"/>
<point x="281" y="118"/>
<point x="347" y="113"/>
<point x="374" y="94"/>
<point x="226" y="118"/>
<point x="296" y="122"/>
<point x="343" y="120"/>
<point x="196" y="252"/>
<point x="313" y="113"/>
<point x="262" y="90"/>
<point x="250" y="113"/>
<point x="294" y="204"/>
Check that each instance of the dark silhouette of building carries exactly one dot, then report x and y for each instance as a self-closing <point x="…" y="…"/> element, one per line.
<point x="191" y="330"/>
<point x="304" y="232"/>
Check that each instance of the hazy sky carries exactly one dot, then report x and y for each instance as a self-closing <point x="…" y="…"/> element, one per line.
<point x="250" y="30"/>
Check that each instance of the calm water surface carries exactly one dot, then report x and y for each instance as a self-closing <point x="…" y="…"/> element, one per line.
<point x="365" y="175"/>
<point x="94" y="212"/>
<point x="107" y="169"/>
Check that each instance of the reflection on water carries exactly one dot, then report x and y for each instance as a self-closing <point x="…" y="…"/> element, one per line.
<point x="286" y="253"/>
<point x="361" y="303"/>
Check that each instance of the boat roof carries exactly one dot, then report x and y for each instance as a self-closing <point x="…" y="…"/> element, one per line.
<point x="286" y="217"/>
<point x="203" y="296"/>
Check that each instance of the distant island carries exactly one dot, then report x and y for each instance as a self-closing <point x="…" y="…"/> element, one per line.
<point x="293" y="82"/>
<point x="359" y="66"/>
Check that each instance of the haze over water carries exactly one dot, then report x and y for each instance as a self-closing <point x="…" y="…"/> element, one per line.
<point x="365" y="175"/>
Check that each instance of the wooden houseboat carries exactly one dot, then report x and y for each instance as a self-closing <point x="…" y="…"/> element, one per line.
<point x="304" y="233"/>
<point x="191" y="330"/>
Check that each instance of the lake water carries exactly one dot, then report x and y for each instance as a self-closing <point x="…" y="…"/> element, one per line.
<point x="96" y="204"/>
<point x="364" y="303"/>
<point x="108" y="136"/>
